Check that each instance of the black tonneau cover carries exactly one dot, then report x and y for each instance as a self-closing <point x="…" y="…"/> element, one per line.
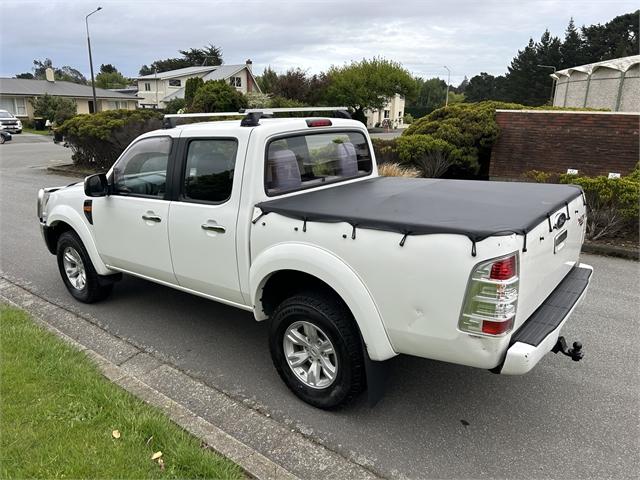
<point x="419" y="206"/>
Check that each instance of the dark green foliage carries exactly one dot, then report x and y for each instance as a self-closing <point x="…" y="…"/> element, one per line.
<point x="97" y="140"/>
<point x="65" y="73"/>
<point x="217" y="96"/>
<point x="174" y="105"/>
<point x="26" y="76"/>
<point x="268" y="80"/>
<point x="56" y="109"/>
<point x="485" y="87"/>
<point x="572" y="49"/>
<point x="190" y="88"/>
<point x="110" y="77"/>
<point x="194" y="57"/>
<point x="614" y="39"/>
<point x="386" y="151"/>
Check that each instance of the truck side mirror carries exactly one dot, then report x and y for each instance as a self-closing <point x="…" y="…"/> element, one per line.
<point x="96" y="185"/>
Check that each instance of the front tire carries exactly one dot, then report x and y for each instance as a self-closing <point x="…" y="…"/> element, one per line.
<point x="316" y="349"/>
<point x="77" y="271"/>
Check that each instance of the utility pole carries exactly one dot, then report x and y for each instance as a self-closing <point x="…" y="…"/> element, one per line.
<point x="93" y="82"/>
<point x="446" y="102"/>
<point x="553" y="84"/>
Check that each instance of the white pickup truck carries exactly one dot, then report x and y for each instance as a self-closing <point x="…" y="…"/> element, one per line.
<point x="287" y="218"/>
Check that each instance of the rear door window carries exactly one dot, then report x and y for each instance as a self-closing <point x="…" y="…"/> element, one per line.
<point x="209" y="170"/>
<point x="306" y="161"/>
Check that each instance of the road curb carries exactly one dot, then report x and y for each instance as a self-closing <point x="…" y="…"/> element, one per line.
<point x="68" y="170"/>
<point x="286" y="454"/>
<point x="611" y="251"/>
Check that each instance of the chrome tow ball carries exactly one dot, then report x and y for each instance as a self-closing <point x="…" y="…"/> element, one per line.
<point x="575" y="353"/>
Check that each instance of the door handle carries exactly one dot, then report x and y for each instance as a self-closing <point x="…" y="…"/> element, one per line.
<point x="151" y="218"/>
<point x="213" y="228"/>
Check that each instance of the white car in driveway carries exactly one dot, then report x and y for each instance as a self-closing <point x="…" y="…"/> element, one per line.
<point x="288" y="219"/>
<point x="9" y="122"/>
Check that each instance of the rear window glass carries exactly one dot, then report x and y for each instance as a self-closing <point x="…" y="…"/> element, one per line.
<point x="306" y="161"/>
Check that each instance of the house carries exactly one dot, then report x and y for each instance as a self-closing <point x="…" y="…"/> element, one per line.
<point x="16" y="95"/>
<point x="612" y="85"/>
<point x="157" y="89"/>
<point x="389" y="116"/>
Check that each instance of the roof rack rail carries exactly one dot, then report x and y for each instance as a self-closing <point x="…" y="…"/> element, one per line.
<point x="252" y="116"/>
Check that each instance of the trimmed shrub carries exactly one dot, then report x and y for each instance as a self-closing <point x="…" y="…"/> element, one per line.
<point x="408" y="119"/>
<point x="217" y="96"/>
<point x="431" y="155"/>
<point x="612" y="203"/>
<point x="97" y="140"/>
<point x="386" y="151"/>
<point x="191" y="86"/>
<point x="175" y="105"/>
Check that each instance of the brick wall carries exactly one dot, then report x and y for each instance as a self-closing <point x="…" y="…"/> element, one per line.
<point x="592" y="143"/>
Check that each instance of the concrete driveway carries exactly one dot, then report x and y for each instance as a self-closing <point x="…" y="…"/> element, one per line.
<point x="562" y="420"/>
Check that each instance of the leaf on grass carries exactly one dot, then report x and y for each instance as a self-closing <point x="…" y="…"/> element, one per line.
<point x="161" y="463"/>
<point x="115" y="434"/>
<point x="156" y="455"/>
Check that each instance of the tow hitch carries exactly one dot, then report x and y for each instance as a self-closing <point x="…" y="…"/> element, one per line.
<point x="575" y="353"/>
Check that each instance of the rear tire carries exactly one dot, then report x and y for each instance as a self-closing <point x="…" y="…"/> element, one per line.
<point x="316" y="349"/>
<point x="77" y="271"/>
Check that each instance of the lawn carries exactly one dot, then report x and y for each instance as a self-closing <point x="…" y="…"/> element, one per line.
<point x="58" y="415"/>
<point x="39" y="132"/>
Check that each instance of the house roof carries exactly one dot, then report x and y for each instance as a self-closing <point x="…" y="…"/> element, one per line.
<point x="22" y="86"/>
<point x="180" y="72"/>
<point x="220" y="72"/>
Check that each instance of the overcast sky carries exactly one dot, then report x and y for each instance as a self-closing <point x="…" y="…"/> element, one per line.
<point x="468" y="36"/>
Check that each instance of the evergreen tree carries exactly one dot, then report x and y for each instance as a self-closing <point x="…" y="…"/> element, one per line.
<point x="522" y="75"/>
<point x="617" y="38"/>
<point x="572" y="49"/>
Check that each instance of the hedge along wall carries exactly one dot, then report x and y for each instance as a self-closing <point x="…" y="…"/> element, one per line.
<point x="594" y="143"/>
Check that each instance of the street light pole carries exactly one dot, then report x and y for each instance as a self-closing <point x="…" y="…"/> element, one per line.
<point x="553" y="84"/>
<point x="446" y="102"/>
<point x="93" y="82"/>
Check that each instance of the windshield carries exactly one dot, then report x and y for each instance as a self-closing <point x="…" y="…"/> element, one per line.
<point x="4" y="114"/>
<point x="304" y="161"/>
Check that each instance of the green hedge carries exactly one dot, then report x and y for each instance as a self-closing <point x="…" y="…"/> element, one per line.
<point x="98" y="139"/>
<point x="612" y="203"/>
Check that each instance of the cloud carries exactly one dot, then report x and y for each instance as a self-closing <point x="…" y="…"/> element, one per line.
<point x="467" y="36"/>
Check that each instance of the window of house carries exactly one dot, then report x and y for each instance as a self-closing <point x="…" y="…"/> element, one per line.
<point x="21" y="107"/>
<point x="235" y="81"/>
<point x="16" y="106"/>
<point x="147" y="87"/>
<point x="175" y="82"/>
<point x="305" y="161"/>
<point x="399" y="114"/>
<point x="209" y="170"/>
<point x="142" y="170"/>
<point x="386" y="114"/>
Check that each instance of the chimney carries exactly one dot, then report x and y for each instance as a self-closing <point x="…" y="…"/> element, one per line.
<point x="249" y="64"/>
<point x="48" y="73"/>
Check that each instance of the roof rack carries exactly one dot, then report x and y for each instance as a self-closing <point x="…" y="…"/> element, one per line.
<point x="252" y="116"/>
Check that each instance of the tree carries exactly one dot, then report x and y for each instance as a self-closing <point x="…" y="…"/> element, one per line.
<point x="267" y="80"/>
<point x="174" y="105"/>
<point x="194" y="57"/>
<point x="293" y="84"/>
<point x="65" y="73"/>
<point x="368" y="84"/>
<point x="110" y="77"/>
<point x="485" y="87"/>
<point x="56" y="109"/>
<point x="572" y="48"/>
<point x="463" y="85"/>
<point x="217" y="96"/>
<point x="617" y="38"/>
<point x="191" y="86"/>
<point x="26" y="75"/>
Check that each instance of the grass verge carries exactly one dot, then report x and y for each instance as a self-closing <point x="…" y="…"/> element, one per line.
<point x="37" y="132"/>
<point x="58" y="414"/>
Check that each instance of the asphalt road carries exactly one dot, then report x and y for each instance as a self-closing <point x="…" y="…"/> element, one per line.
<point x="562" y="420"/>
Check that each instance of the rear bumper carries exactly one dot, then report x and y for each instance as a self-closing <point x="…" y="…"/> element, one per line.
<point x="539" y="334"/>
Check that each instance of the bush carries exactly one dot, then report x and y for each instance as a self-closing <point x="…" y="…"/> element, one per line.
<point x="408" y="119"/>
<point x="612" y="203"/>
<point x="217" y="96"/>
<point x="395" y="170"/>
<point x="97" y="140"/>
<point x="432" y="156"/>
<point x="386" y="151"/>
<point x="191" y="86"/>
<point x="470" y="128"/>
<point x="175" y="105"/>
<point x="55" y="109"/>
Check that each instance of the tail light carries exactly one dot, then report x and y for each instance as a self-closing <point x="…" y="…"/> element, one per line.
<point x="491" y="299"/>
